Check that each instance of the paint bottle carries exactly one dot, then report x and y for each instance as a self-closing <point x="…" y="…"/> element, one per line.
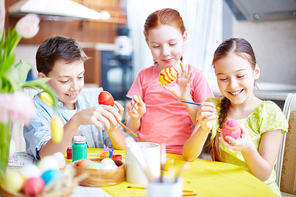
<point x="79" y="148"/>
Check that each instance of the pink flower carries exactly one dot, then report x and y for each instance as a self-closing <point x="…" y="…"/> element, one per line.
<point x="28" y="26"/>
<point x="16" y="107"/>
<point x="2" y="19"/>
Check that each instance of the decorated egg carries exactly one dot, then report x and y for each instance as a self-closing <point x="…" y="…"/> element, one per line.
<point x="107" y="161"/>
<point x="110" y="167"/>
<point x="33" y="186"/>
<point x="51" y="176"/>
<point x="84" y="162"/>
<point x="47" y="163"/>
<point x="95" y="166"/>
<point x="167" y="75"/>
<point x="231" y="128"/>
<point x="105" y="98"/>
<point x="60" y="158"/>
<point x="30" y="170"/>
<point x="12" y="181"/>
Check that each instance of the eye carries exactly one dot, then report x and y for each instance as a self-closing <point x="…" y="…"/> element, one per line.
<point x="81" y="77"/>
<point x="240" y="76"/>
<point x="173" y="44"/>
<point x="155" y="46"/>
<point x="65" y="81"/>
<point x="223" y="79"/>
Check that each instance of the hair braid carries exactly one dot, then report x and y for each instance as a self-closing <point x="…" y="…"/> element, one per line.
<point x="215" y="151"/>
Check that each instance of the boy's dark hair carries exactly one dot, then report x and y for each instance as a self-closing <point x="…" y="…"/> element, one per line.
<point x="58" y="48"/>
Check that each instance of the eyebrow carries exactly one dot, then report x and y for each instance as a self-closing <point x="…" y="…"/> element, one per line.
<point x="235" y="71"/>
<point x="69" y="76"/>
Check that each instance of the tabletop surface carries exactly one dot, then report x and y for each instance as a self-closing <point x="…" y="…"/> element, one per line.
<point x="203" y="178"/>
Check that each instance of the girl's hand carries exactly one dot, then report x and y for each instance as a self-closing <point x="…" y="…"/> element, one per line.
<point x="206" y="115"/>
<point x="136" y="108"/>
<point x="243" y="143"/>
<point x="181" y="89"/>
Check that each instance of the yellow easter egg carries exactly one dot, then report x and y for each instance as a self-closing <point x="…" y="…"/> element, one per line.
<point x="46" y="98"/>
<point x="167" y="75"/>
<point x="12" y="181"/>
<point x="57" y="129"/>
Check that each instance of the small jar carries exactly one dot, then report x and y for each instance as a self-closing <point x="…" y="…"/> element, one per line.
<point x="69" y="153"/>
<point x="79" y="148"/>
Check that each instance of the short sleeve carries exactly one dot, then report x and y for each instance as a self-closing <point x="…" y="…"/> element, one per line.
<point x="274" y="118"/>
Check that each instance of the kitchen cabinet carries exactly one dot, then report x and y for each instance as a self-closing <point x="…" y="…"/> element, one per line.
<point x="94" y="31"/>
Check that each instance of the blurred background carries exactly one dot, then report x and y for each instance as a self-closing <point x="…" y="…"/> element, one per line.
<point x="111" y="32"/>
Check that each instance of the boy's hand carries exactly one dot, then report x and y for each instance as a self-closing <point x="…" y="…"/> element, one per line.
<point x="136" y="108"/>
<point x="105" y="114"/>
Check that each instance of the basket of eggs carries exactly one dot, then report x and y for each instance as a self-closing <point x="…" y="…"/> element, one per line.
<point x="49" y="178"/>
<point x="100" y="171"/>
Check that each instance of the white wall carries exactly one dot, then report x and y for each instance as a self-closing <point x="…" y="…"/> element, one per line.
<point x="274" y="44"/>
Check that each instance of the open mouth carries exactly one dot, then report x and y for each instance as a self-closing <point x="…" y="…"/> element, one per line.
<point x="234" y="93"/>
<point x="72" y="95"/>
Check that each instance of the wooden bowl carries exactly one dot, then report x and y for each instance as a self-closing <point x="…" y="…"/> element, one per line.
<point x="97" y="178"/>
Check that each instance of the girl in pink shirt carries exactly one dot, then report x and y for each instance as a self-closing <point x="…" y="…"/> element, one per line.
<point x="158" y="115"/>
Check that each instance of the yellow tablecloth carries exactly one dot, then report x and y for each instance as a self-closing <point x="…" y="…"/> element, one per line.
<point x="205" y="178"/>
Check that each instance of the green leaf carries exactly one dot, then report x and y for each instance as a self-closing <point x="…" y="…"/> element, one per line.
<point x="5" y="85"/>
<point x="11" y="75"/>
<point x="7" y="64"/>
<point x="23" y="69"/>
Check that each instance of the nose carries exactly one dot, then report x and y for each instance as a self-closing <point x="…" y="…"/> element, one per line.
<point x="233" y="83"/>
<point x="165" y="50"/>
<point x="74" y="85"/>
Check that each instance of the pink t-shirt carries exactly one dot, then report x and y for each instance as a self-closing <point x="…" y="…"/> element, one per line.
<point x="166" y="119"/>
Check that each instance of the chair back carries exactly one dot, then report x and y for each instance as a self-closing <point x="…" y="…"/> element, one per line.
<point x="284" y="173"/>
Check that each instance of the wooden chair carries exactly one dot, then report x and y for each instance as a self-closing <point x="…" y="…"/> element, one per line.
<point x="286" y="162"/>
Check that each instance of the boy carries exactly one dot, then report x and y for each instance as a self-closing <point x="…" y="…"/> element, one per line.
<point x="62" y="59"/>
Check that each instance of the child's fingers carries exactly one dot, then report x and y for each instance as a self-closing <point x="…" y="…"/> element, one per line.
<point x="120" y="107"/>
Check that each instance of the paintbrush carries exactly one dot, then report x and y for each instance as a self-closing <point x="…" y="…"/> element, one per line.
<point x="127" y="128"/>
<point x="162" y="160"/>
<point x="193" y="103"/>
<point x="181" y="171"/>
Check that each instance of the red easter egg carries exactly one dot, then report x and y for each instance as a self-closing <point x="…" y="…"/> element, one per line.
<point x="231" y="128"/>
<point x="105" y="98"/>
<point x="33" y="186"/>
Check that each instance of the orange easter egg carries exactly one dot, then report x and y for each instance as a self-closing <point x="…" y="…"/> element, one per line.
<point x="167" y="75"/>
<point x="231" y="128"/>
<point x="84" y="162"/>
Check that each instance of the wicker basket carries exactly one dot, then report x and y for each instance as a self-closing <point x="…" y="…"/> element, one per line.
<point x="64" y="187"/>
<point x="97" y="178"/>
<point x="64" y="193"/>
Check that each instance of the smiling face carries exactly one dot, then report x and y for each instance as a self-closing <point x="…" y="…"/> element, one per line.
<point x="235" y="78"/>
<point x="166" y="45"/>
<point x="67" y="81"/>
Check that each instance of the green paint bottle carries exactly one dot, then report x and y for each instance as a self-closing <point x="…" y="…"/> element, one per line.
<point x="79" y="148"/>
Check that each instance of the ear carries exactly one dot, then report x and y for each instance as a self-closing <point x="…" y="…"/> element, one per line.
<point x="256" y="72"/>
<point x="184" y="38"/>
<point x="147" y="41"/>
<point x="41" y="75"/>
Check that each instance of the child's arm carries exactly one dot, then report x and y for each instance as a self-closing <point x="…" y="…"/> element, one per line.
<point x="193" y="146"/>
<point x="181" y="90"/>
<point x="136" y="109"/>
<point x="90" y="116"/>
<point x="260" y="162"/>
